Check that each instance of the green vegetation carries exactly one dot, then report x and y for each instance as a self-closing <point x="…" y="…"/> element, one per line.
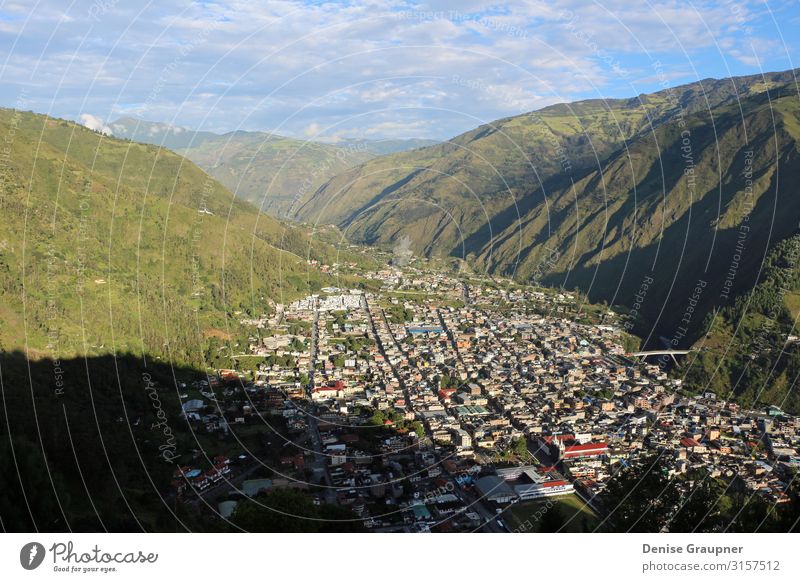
<point x="566" y="513"/>
<point x="448" y="381"/>
<point x="268" y="170"/>
<point x="353" y="343"/>
<point x="118" y="246"/>
<point x="287" y="511"/>
<point x="78" y="451"/>
<point x="630" y="342"/>
<point x="399" y="424"/>
<point x="647" y="499"/>
<point x="271" y="171"/>
<point x="285" y="361"/>
<point x="516" y="451"/>
<point x="396" y="313"/>
<point x="744" y="353"/>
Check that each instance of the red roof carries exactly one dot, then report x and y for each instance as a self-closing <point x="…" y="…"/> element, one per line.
<point x="587" y="449"/>
<point x="559" y="437"/>
<point x="687" y="442"/>
<point x="555" y="483"/>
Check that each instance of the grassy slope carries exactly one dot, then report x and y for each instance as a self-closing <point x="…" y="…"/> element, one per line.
<point x="103" y="247"/>
<point x="744" y="353"/>
<point x="512" y="158"/>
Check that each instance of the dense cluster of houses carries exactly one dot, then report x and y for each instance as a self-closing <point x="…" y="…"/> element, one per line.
<point x="417" y="397"/>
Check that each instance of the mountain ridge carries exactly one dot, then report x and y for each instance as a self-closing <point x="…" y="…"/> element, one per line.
<point x="270" y="170"/>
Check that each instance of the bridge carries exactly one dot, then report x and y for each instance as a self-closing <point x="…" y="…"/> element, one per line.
<point x="672" y="353"/>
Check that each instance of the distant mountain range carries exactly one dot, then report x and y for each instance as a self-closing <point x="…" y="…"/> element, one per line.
<point x="271" y="171"/>
<point x="632" y="200"/>
<point x="382" y="147"/>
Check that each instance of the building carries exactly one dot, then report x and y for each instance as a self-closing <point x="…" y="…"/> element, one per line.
<point x="527" y="491"/>
<point x="578" y="451"/>
<point x="494" y="488"/>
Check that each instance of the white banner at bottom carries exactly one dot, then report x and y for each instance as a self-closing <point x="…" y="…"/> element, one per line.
<point x="390" y="557"/>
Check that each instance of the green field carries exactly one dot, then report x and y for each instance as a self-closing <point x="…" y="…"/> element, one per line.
<point x="567" y="513"/>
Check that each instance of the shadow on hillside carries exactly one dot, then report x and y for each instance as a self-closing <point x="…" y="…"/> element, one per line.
<point x="690" y="251"/>
<point x="77" y="447"/>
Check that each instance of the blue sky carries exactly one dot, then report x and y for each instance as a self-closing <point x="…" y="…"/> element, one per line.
<point x="373" y="69"/>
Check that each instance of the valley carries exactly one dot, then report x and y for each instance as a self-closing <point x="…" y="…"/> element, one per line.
<point x="406" y="337"/>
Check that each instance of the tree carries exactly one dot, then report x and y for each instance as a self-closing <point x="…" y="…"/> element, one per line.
<point x="703" y="509"/>
<point x="289" y="511"/>
<point x="377" y="418"/>
<point x="520" y="447"/>
<point x="641" y="498"/>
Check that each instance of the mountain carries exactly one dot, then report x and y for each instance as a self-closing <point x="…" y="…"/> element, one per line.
<point x="632" y="200"/>
<point x="114" y="246"/>
<point x="162" y="134"/>
<point x="749" y="350"/>
<point x="271" y="171"/>
<point x="382" y="147"/>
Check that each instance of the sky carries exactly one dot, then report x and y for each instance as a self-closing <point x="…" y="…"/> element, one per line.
<point x="370" y="69"/>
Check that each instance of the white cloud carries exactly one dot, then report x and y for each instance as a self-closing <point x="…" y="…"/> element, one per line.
<point x="95" y="123"/>
<point x="312" y="129"/>
<point x="304" y="68"/>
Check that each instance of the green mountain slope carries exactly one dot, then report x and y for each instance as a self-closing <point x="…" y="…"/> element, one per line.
<point x="271" y="171"/>
<point x="597" y="194"/>
<point x="382" y="147"/>
<point x="110" y="245"/>
<point x="750" y="349"/>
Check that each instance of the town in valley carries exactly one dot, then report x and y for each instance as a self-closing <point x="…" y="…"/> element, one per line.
<point x="428" y="400"/>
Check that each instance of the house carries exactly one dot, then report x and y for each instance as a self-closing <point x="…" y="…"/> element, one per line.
<point x="587" y="450"/>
